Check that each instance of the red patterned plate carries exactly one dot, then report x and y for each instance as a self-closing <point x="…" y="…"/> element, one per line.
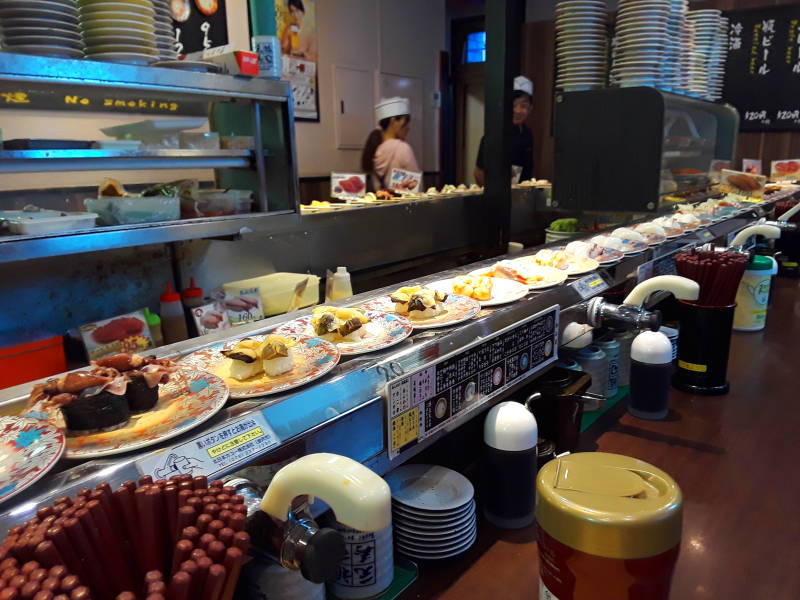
<point x="189" y="399"/>
<point x="383" y="330"/>
<point x="29" y="448"/>
<point x="457" y="310"/>
<point x="313" y="358"/>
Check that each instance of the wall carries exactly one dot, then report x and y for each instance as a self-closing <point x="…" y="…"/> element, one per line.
<point x="378" y="36"/>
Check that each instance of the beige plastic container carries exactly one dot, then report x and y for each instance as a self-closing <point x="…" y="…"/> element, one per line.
<point x="277" y="290"/>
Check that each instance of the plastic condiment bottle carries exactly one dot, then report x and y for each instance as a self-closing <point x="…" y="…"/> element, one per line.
<point x="612" y="350"/>
<point x="651" y="370"/>
<point x="752" y="297"/>
<point x="341" y="287"/>
<point x="154" y="324"/>
<point x="509" y="464"/>
<point x="192" y="297"/>
<point x="173" y="321"/>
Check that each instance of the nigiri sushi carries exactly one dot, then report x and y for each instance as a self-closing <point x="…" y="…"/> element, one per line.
<point x="339" y="324"/>
<point x="653" y="228"/>
<point x="244" y="359"/>
<point x="626" y="233"/>
<point x="605" y="241"/>
<point x="418" y="302"/>
<point x="578" y="249"/>
<point x="277" y="355"/>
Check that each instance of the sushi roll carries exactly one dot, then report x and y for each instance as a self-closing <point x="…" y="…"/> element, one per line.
<point x="145" y="375"/>
<point x="339" y="324"/>
<point x="90" y="401"/>
<point x="418" y="302"/>
<point x="277" y="355"/>
<point x="244" y="359"/>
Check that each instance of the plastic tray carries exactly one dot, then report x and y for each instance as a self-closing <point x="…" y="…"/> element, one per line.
<point x="51" y="224"/>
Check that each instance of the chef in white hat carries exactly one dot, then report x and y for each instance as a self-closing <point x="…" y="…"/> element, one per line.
<point x="386" y="147"/>
<point x="521" y="139"/>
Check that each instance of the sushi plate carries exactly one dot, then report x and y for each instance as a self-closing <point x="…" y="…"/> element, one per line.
<point x="629" y="248"/>
<point x="189" y="399"/>
<point x="503" y="290"/>
<point x="313" y="358"/>
<point x="383" y="330"/>
<point x="603" y="256"/>
<point x="550" y="277"/>
<point x="457" y="309"/>
<point x="30" y="448"/>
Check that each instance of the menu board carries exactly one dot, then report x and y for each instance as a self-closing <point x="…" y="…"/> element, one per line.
<point x="426" y="401"/>
<point x="762" y="75"/>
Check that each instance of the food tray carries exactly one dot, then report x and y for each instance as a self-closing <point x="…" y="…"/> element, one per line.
<point x="51" y="224"/>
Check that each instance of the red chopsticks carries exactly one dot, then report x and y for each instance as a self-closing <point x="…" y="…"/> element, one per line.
<point x="180" y="539"/>
<point x="718" y="274"/>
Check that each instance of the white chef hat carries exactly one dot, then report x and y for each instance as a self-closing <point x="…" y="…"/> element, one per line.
<point x="523" y="84"/>
<point x="391" y="107"/>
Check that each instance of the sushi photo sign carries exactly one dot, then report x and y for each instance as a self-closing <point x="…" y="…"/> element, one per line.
<point x="405" y="181"/>
<point x="348" y="186"/>
<point x="126" y="333"/>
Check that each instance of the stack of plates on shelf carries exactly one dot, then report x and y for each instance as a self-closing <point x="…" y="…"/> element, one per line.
<point x="641" y="41"/>
<point x="433" y="511"/>
<point x="119" y="30"/>
<point x="581" y="44"/>
<point x="43" y="27"/>
<point x="676" y="54"/>
<point x="165" y="33"/>
<point x="709" y="51"/>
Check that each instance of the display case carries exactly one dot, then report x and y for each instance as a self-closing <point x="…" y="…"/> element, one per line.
<point x="624" y="149"/>
<point x="352" y="411"/>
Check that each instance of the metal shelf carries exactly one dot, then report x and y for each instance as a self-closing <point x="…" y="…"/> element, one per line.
<point x="37" y="161"/>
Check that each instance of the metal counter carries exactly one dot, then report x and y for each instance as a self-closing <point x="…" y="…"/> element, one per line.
<point x="344" y="412"/>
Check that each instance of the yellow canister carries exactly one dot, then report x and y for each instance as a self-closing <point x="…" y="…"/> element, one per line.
<point x="609" y="528"/>
<point x="752" y="296"/>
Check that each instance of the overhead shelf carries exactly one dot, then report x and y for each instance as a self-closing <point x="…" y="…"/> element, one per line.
<point x="37" y="161"/>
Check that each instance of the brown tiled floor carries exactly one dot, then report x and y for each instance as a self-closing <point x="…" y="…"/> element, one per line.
<point x="737" y="459"/>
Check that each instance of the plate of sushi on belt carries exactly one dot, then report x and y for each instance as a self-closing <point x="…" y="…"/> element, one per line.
<point x="634" y="235"/>
<point x="29" y="448"/>
<point x="653" y="233"/>
<point x="581" y="249"/>
<point x="126" y="402"/>
<point x="532" y="275"/>
<point x="354" y="331"/>
<point x="488" y="291"/>
<point x="627" y="247"/>
<point x="558" y="259"/>
<point x="266" y="364"/>
<point x="426" y="308"/>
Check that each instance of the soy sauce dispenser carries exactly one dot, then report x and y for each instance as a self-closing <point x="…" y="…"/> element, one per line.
<point x="651" y="351"/>
<point x="285" y="529"/>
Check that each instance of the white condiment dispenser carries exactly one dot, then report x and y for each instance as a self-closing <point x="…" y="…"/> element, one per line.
<point x="651" y="351"/>
<point x="510" y="435"/>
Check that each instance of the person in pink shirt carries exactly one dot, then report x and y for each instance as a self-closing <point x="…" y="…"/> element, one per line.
<point x="386" y="147"/>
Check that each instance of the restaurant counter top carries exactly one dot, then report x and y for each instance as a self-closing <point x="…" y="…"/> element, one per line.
<point x="734" y="457"/>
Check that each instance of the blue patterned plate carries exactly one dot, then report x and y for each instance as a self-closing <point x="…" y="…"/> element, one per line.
<point x="29" y="448"/>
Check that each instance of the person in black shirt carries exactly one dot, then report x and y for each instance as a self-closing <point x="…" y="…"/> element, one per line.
<point x="522" y="137"/>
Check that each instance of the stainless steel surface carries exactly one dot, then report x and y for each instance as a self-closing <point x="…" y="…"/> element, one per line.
<point x="33" y="161"/>
<point x="57" y="71"/>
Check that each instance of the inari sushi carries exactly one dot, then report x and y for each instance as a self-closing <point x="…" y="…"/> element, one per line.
<point x="339" y="324"/>
<point x="244" y="359"/>
<point x="418" y="302"/>
<point x="89" y="401"/>
<point x="277" y="355"/>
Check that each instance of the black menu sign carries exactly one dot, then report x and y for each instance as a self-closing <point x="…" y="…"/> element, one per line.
<point x="199" y="24"/>
<point x="762" y="75"/>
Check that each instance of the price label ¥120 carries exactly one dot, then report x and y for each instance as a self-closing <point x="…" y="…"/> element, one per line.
<point x="590" y="285"/>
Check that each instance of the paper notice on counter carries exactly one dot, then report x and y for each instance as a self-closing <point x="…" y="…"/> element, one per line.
<point x="244" y="306"/>
<point x="405" y="181"/>
<point x="748" y="186"/>
<point x="785" y="170"/>
<point x="210" y="317"/>
<point x="127" y="333"/>
<point x="348" y="186"/>
<point x="751" y="165"/>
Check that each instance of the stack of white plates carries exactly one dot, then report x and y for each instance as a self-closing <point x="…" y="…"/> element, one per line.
<point x="119" y="30"/>
<point x="708" y="53"/>
<point x="641" y="40"/>
<point x="165" y="33"/>
<point x="581" y="44"/>
<point x="676" y="54"/>
<point x="43" y="27"/>
<point x="433" y="511"/>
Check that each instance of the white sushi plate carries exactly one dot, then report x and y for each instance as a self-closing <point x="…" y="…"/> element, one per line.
<point x="429" y="487"/>
<point x="457" y="309"/>
<point x="504" y="291"/>
<point x="551" y="277"/>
